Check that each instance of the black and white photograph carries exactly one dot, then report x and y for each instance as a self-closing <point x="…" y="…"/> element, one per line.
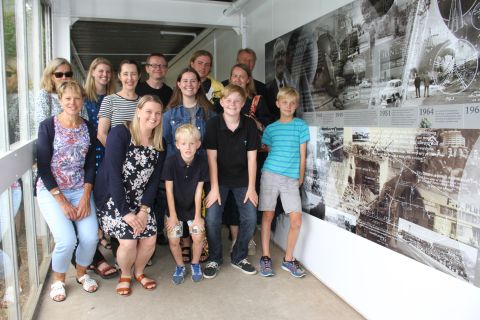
<point x="443" y="70"/>
<point x="353" y="58"/>
<point x="388" y="178"/>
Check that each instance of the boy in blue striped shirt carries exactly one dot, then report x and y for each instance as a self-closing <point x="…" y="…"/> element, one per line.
<point x="283" y="174"/>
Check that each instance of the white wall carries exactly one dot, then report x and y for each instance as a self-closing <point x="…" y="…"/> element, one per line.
<point x="377" y="282"/>
<point x="222" y="43"/>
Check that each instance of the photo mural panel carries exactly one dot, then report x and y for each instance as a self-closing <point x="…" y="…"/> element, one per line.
<point x="391" y="93"/>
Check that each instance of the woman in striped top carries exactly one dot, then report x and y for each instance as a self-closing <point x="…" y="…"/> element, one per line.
<point x="119" y="107"/>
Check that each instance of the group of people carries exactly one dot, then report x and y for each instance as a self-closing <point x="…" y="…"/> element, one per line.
<point x="149" y="159"/>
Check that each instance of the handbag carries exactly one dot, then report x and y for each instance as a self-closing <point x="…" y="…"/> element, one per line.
<point x="251" y="114"/>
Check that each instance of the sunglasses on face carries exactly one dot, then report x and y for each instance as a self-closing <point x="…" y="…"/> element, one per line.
<point x="59" y="75"/>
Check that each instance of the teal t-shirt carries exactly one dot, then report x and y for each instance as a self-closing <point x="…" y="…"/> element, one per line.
<point x="284" y="140"/>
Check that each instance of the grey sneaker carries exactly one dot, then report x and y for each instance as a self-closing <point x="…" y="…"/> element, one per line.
<point x="179" y="275"/>
<point x="252" y="248"/>
<point x="266" y="269"/>
<point x="196" y="272"/>
<point x="245" y="266"/>
<point x="211" y="270"/>
<point x="294" y="268"/>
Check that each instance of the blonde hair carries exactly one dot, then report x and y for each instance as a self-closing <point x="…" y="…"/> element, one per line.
<point x="188" y="130"/>
<point x="285" y="92"/>
<point x="90" y="88"/>
<point x="232" y="88"/>
<point x="72" y="85"/>
<point x="134" y="125"/>
<point x="47" y="83"/>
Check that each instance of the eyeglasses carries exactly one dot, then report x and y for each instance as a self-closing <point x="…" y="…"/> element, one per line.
<point x="154" y="66"/>
<point x="59" y="75"/>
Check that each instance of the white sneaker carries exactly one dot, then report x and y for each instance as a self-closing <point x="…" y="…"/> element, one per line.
<point x="252" y="248"/>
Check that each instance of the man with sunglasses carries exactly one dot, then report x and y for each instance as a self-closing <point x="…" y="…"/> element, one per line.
<point x="156" y="67"/>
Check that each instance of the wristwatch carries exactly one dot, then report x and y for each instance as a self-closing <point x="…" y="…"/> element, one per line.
<point x="145" y="208"/>
<point x="56" y="192"/>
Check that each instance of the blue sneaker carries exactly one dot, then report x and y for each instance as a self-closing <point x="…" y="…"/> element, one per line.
<point x="197" y="274"/>
<point x="179" y="275"/>
<point x="266" y="269"/>
<point x="294" y="268"/>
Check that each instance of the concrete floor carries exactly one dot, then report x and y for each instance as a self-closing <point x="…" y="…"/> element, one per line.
<point x="231" y="295"/>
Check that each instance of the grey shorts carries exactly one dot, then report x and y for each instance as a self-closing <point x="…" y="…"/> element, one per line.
<point x="272" y="185"/>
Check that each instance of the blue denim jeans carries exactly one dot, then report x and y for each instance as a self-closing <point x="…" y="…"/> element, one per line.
<point x="63" y="230"/>
<point x="213" y="219"/>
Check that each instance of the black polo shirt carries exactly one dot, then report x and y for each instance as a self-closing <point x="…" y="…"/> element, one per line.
<point x="164" y="93"/>
<point x="232" y="148"/>
<point x="185" y="181"/>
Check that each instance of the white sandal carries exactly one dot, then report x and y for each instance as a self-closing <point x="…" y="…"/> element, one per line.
<point x="88" y="283"/>
<point x="58" y="289"/>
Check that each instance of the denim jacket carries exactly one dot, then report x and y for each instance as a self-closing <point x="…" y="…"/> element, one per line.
<point x="175" y="117"/>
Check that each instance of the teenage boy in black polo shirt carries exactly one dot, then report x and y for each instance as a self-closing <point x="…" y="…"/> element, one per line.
<point x="231" y="140"/>
<point x="184" y="174"/>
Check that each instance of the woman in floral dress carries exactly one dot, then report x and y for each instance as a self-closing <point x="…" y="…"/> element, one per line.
<point x="126" y="186"/>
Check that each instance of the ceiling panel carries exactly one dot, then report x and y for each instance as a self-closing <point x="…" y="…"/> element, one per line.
<point x="117" y="41"/>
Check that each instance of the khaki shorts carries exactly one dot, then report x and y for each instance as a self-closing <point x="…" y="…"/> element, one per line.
<point x="272" y="185"/>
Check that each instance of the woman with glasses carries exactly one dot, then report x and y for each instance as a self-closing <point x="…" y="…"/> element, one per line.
<point x="46" y="105"/>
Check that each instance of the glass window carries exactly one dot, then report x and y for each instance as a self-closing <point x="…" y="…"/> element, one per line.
<point x="10" y="44"/>
<point x="45" y="243"/>
<point x="24" y="273"/>
<point x="8" y="296"/>
<point x="31" y="52"/>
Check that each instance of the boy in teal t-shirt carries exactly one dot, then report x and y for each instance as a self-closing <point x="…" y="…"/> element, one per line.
<point x="283" y="174"/>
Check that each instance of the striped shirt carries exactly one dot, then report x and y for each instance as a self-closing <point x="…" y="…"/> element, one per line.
<point x="117" y="109"/>
<point x="284" y="140"/>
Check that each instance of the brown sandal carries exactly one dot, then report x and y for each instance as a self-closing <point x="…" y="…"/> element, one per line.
<point x="106" y="272"/>
<point x="124" y="291"/>
<point x="149" y="285"/>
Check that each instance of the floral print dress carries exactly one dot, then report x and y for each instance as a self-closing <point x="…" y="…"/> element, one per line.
<point x="138" y="167"/>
